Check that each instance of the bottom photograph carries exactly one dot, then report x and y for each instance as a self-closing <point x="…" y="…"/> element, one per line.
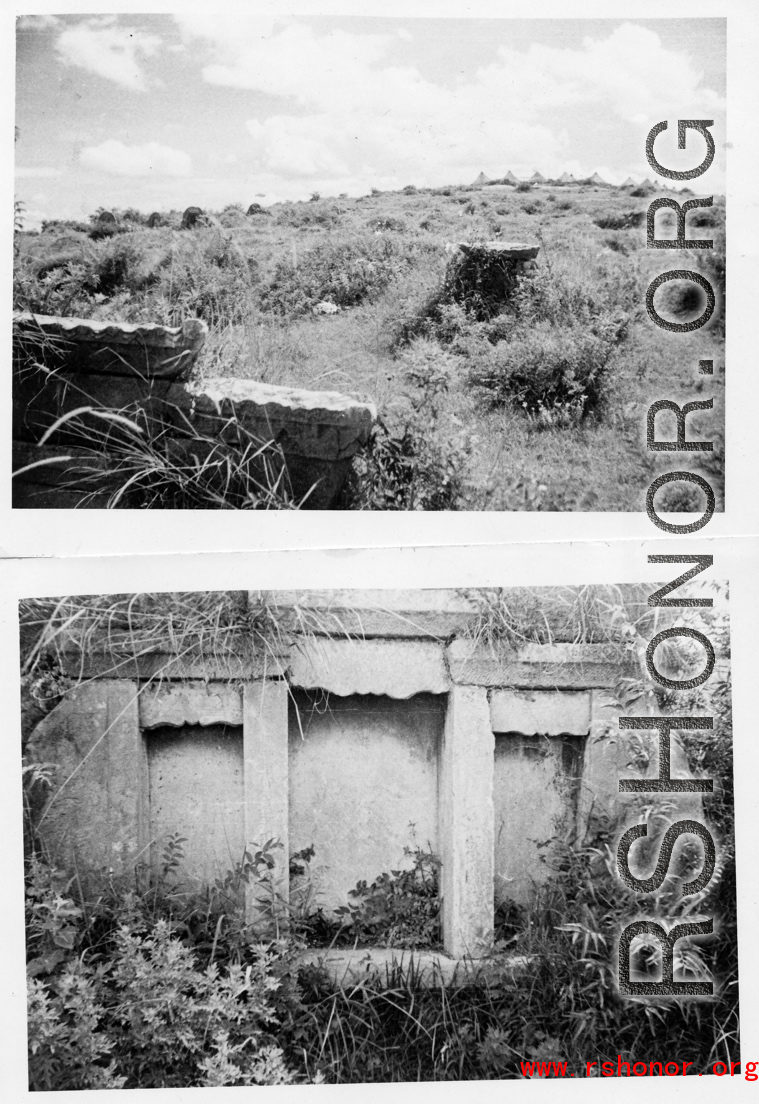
<point x="351" y="836"/>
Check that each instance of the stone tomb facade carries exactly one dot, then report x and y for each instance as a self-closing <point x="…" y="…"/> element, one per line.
<point x="407" y="735"/>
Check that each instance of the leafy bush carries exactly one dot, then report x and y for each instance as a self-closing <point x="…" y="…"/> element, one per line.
<point x="122" y="264"/>
<point x="620" y="220"/>
<point x="344" y="272"/>
<point x="523" y="186"/>
<point x="387" y="222"/>
<point x="57" y="226"/>
<point x="312" y="213"/>
<point x="398" y="909"/>
<point x="556" y="376"/>
<point x="416" y="459"/>
<point x="140" y="1014"/>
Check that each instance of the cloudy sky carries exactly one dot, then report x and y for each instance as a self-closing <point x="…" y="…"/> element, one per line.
<point x="209" y="108"/>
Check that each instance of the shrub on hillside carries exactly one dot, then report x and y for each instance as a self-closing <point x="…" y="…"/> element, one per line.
<point x="123" y="264"/>
<point x="556" y="376"/>
<point x="343" y="272"/>
<point x="417" y="459"/>
<point x="134" y="1009"/>
<point x="312" y="213"/>
<point x="57" y="226"/>
<point x="620" y="220"/>
<point x="387" y="222"/>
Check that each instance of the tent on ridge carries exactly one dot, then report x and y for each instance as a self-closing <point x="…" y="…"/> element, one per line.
<point x="595" y="179"/>
<point x="629" y="183"/>
<point x="509" y="178"/>
<point x="481" y="179"/>
<point x="536" y="178"/>
<point x="566" y="178"/>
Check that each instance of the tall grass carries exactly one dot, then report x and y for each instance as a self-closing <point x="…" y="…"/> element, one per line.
<point x="568" y="356"/>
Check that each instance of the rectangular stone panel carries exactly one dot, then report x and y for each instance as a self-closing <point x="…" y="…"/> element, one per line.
<point x="363" y="785"/>
<point x="535" y="795"/>
<point x="540" y="712"/>
<point x="190" y="705"/>
<point x="538" y="666"/>
<point x="94" y="819"/>
<point x="396" y="668"/>
<point x="40" y="398"/>
<point x="196" y="790"/>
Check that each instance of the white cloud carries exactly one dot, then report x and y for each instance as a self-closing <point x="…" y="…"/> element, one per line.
<point x="38" y="172"/>
<point x="299" y="146"/>
<point x="37" y="22"/>
<point x="109" y="51"/>
<point x="355" y="114"/>
<point x="151" y="159"/>
<point x="286" y="58"/>
<point x="629" y="73"/>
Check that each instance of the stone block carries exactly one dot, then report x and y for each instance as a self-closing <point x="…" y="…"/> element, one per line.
<point x="540" y="712"/>
<point x="319" y="432"/>
<point x="346" y="968"/>
<point x="61" y="482"/>
<point x="318" y="424"/>
<point x="177" y="706"/>
<point x="40" y="398"/>
<point x="146" y="350"/>
<point x="265" y="751"/>
<point x="467" y="824"/>
<point x="537" y="666"/>
<point x="395" y="668"/>
<point x="120" y="660"/>
<point x="95" y="818"/>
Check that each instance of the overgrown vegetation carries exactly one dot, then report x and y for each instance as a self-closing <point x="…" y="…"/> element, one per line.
<point x="337" y="294"/>
<point x="153" y="982"/>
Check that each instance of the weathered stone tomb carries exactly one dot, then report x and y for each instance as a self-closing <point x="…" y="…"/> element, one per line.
<point x="388" y="728"/>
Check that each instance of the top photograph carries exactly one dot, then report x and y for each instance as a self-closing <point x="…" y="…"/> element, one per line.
<point x="362" y="263"/>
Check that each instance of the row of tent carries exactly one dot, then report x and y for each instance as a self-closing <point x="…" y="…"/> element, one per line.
<point x="565" y="178"/>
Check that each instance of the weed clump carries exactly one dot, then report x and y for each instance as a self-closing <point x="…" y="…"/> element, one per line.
<point x="620" y="220"/>
<point x="343" y="272"/>
<point x="556" y="377"/>
<point x="117" y="1000"/>
<point x="416" y="460"/>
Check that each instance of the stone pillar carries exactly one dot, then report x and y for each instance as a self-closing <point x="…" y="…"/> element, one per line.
<point x="94" y="819"/>
<point x="266" y="797"/>
<point x="466" y="823"/>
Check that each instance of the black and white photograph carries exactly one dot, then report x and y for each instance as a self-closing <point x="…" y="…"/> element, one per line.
<point x="362" y="836"/>
<point x="439" y="772"/>
<point x="363" y="263"/>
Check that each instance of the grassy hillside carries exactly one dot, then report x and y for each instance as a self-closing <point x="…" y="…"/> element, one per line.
<point x="541" y="406"/>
